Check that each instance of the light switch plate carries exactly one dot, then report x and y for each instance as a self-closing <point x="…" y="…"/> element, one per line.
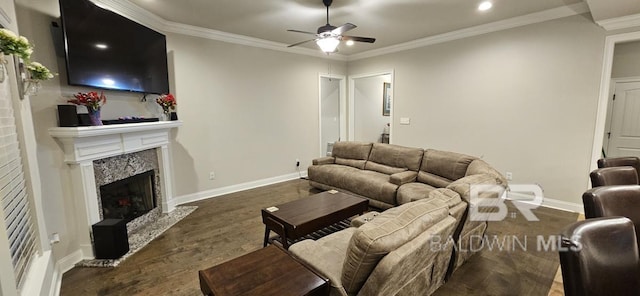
<point x="405" y="120"/>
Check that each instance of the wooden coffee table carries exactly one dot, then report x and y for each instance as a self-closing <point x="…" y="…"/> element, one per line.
<point x="268" y="271"/>
<point x="300" y="217"/>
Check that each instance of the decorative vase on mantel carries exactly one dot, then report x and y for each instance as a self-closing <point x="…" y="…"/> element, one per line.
<point x="166" y="114"/>
<point x="94" y="116"/>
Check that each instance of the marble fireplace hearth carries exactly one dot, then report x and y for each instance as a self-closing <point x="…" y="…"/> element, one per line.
<point x="97" y="155"/>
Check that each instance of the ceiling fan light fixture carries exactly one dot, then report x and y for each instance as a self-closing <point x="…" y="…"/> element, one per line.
<point x="328" y="44"/>
<point x="484" y="6"/>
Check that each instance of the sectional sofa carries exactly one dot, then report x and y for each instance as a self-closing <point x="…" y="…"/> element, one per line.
<point x="391" y="176"/>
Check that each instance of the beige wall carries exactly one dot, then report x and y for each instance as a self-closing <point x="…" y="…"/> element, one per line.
<point x="524" y="99"/>
<point x="626" y="60"/>
<point x="248" y="112"/>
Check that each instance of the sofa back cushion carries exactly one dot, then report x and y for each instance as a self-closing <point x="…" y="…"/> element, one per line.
<point x="440" y="168"/>
<point x="387" y="232"/>
<point x="353" y="154"/>
<point x="479" y="166"/>
<point x="391" y="159"/>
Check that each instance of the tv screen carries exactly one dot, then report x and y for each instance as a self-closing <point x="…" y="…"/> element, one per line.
<point x="106" y="50"/>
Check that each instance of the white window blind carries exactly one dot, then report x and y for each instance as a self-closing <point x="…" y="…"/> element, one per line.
<point x="13" y="193"/>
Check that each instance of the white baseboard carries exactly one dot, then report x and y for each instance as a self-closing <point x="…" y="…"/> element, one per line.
<point x="550" y="203"/>
<point x="179" y="200"/>
<point x="63" y="265"/>
<point x="563" y="205"/>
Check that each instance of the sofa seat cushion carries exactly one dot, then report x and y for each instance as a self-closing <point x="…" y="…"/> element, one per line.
<point x="371" y="184"/>
<point x="439" y="168"/>
<point x="413" y="191"/>
<point x="335" y="175"/>
<point x="384" y="234"/>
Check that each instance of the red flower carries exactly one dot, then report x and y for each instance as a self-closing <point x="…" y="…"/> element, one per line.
<point x="166" y="101"/>
<point x="91" y="100"/>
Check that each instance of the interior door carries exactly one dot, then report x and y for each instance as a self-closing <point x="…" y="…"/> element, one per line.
<point x="625" y="121"/>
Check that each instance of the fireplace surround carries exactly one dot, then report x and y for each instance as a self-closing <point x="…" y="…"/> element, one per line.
<point x="138" y="147"/>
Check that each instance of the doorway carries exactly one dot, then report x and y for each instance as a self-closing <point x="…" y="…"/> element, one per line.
<point x="605" y="91"/>
<point x="371" y="107"/>
<point x="332" y="106"/>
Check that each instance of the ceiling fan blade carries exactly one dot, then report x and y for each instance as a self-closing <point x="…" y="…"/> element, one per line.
<point x="303" y="32"/>
<point x="296" y="44"/>
<point x="359" y="39"/>
<point x="343" y="28"/>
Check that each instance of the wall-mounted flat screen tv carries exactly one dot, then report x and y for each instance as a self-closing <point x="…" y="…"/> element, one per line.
<point x="106" y="50"/>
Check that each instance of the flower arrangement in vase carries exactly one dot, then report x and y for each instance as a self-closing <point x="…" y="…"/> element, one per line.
<point x="167" y="102"/>
<point x="93" y="102"/>
<point x="12" y="44"/>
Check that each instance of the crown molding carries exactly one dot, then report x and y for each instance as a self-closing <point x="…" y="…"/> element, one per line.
<point x="622" y="22"/>
<point x="137" y="13"/>
<point x="533" y="18"/>
<point x="194" y="31"/>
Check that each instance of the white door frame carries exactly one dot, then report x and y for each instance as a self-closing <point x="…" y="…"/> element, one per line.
<point x="343" y="107"/>
<point x="352" y="96"/>
<point x="603" y="99"/>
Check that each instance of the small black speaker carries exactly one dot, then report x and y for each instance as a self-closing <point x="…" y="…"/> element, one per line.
<point x="174" y="116"/>
<point x="110" y="239"/>
<point x="67" y="115"/>
<point x="83" y="119"/>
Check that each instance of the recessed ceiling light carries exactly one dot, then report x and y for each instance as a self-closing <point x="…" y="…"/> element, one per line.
<point x="484" y="6"/>
<point x="101" y="46"/>
<point x="350" y="42"/>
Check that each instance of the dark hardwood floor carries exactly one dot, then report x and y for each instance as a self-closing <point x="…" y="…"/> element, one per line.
<point x="229" y="226"/>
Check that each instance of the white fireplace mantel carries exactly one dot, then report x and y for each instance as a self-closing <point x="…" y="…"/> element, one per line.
<point x="83" y="145"/>
<point x="96" y="142"/>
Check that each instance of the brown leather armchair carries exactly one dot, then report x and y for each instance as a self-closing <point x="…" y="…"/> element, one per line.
<point x="609" y="201"/>
<point x="623" y="175"/>
<point x="600" y="257"/>
<point x="620" y="161"/>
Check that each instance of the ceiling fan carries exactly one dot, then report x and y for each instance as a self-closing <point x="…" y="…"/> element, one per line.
<point x="328" y="37"/>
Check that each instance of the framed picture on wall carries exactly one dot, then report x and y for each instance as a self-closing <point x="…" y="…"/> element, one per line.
<point x="386" y="99"/>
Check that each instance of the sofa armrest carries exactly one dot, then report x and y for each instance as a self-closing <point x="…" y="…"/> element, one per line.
<point x="364" y="218"/>
<point x="403" y="177"/>
<point x="324" y="160"/>
<point x="463" y="185"/>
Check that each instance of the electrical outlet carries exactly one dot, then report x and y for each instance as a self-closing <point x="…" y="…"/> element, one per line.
<point x="297" y="162"/>
<point x="55" y="238"/>
<point x="212" y="175"/>
<point x="509" y="176"/>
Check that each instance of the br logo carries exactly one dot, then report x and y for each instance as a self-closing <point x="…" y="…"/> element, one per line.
<point x="487" y="202"/>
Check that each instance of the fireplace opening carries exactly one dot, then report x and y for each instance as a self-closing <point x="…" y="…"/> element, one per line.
<point x="129" y="198"/>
